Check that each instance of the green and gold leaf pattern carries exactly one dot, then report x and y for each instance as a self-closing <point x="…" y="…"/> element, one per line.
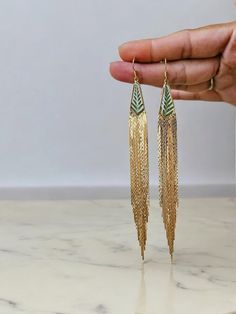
<point x="167" y="104"/>
<point x="137" y="103"/>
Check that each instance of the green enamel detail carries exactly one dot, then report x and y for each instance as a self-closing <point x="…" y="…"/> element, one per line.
<point x="167" y="104"/>
<point x="137" y="103"/>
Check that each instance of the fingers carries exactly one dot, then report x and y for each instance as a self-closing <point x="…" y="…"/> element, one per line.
<point x="230" y="51"/>
<point x="181" y="73"/>
<point x="204" y="42"/>
<point x="192" y="88"/>
<point x="205" y="95"/>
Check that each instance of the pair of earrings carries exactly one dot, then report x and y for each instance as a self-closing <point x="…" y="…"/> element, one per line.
<point x="167" y="162"/>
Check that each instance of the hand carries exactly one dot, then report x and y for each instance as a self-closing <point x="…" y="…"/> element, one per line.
<point x="194" y="57"/>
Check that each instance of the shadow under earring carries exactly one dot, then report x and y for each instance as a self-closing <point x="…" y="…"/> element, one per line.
<point x="139" y="164"/>
<point x="167" y="162"/>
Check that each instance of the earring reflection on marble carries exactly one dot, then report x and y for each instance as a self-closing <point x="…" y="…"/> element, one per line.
<point x="139" y="164"/>
<point x="167" y="162"/>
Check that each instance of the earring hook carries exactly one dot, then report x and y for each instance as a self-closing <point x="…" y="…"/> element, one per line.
<point x="165" y="71"/>
<point x="166" y="74"/>
<point x="134" y="71"/>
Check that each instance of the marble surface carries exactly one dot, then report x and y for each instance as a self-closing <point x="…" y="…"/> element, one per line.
<point x="82" y="257"/>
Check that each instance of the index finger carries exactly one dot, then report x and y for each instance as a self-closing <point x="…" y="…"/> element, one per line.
<point x="204" y="42"/>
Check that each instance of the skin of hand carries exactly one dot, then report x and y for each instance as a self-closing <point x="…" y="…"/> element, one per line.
<point x="194" y="56"/>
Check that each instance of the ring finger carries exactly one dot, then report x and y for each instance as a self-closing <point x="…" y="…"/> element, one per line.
<point x="193" y="88"/>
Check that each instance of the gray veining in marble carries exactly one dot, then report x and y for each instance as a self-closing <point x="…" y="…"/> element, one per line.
<point x="82" y="257"/>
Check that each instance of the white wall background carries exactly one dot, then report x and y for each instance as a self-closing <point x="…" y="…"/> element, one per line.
<point x="63" y="119"/>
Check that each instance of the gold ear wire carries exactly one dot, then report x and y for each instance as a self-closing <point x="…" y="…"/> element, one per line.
<point x="134" y="71"/>
<point x="165" y="71"/>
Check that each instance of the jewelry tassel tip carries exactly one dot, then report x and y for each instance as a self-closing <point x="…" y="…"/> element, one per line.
<point x="142" y="254"/>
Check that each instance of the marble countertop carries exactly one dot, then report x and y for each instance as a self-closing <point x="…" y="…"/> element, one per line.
<point x="82" y="257"/>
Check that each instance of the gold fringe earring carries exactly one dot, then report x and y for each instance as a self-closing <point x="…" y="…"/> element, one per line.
<point x="139" y="164"/>
<point x="167" y="162"/>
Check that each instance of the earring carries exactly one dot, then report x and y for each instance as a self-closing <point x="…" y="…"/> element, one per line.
<point x="167" y="162"/>
<point x="139" y="165"/>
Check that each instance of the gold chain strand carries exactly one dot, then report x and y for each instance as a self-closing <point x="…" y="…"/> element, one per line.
<point x="139" y="165"/>
<point x="168" y="163"/>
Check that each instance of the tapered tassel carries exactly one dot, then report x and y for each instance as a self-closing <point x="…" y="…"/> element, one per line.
<point x="168" y="165"/>
<point x="139" y="167"/>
